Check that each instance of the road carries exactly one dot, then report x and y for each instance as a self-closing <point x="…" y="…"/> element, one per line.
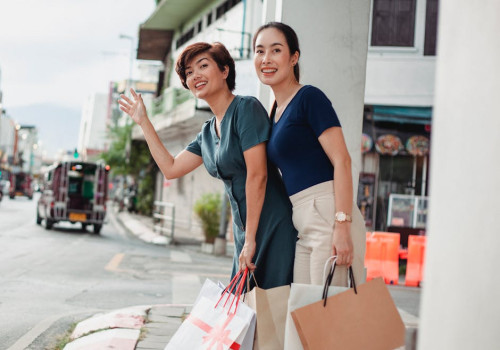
<point x="50" y="279"/>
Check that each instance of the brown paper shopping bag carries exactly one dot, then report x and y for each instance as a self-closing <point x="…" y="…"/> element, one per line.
<point x="270" y="306"/>
<point x="357" y="319"/>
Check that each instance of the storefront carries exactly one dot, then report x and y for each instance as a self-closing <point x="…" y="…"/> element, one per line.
<point x="393" y="182"/>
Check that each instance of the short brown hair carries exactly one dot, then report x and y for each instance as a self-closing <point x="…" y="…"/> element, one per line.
<point x="219" y="54"/>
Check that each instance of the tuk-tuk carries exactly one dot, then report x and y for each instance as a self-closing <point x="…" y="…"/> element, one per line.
<point x="74" y="191"/>
<point x="20" y="185"/>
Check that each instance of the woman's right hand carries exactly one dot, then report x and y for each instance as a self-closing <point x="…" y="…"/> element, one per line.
<point x="134" y="107"/>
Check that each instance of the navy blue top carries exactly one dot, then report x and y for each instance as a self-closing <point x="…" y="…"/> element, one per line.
<point x="294" y="146"/>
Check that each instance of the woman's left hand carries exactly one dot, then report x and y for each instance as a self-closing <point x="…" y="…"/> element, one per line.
<point x="246" y="256"/>
<point x="342" y="244"/>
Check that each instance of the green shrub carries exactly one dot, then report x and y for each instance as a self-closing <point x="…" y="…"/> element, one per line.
<point x="207" y="208"/>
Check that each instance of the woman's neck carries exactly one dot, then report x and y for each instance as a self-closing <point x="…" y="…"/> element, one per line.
<point x="284" y="91"/>
<point x="220" y="103"/>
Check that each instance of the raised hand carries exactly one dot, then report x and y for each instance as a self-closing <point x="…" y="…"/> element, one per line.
<point x="134" y="107"/>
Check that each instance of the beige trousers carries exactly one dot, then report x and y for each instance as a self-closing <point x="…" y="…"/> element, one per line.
<point x="313" y="217"/>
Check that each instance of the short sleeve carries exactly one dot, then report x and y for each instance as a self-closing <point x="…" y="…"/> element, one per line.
<point x="195" y="145"/>
<point x="253" y="124"/>
<point x="319" y="111"/>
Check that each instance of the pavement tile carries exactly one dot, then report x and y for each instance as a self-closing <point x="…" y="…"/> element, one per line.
<point x="172" y="321"/>
<point x="169" y="311"/>
<point x="147" y="344"/>
<point x="160" y="319"/>
<point x="123" y="339"/>
<point x="167" y="329"/>
<point x="132" y="317"/>
<point x="158" y="338"/>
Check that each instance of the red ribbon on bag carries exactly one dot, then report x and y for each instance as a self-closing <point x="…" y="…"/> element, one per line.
<point x="216" y="336"/>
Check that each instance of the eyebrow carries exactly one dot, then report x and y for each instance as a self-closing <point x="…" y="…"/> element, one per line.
<point x="201" y="59"/>
<point x="280" y="44"/>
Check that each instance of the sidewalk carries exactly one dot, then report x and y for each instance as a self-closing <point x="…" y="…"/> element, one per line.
<point x="150" y="327"/>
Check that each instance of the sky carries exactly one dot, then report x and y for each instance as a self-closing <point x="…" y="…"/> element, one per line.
<point x="58" y="52"/>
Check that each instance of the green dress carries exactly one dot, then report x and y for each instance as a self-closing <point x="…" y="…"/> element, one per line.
<point x="245" y="125"/>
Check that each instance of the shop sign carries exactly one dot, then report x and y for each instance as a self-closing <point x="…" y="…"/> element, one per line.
<point x="388" y="144"/>
<point x="418" y="145"/>
<point x="366" y="143"/>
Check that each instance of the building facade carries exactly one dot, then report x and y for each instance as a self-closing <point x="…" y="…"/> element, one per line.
<point x="176" y="114"/>
<point x="394" y="149"/>
<point x="92" y="138"/>
<point x="397" y="123"/>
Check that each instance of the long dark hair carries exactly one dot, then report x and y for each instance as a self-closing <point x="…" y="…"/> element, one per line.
<point x="291" y="39"/>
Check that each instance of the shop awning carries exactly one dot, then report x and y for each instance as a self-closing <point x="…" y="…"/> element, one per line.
<point x="155" y="35"/>
<point x="402" y="115"/>
<point x="172" y="14"/>
<point x="154" y="44"/>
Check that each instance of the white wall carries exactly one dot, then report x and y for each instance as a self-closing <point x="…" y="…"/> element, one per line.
<point x="231" y="23"/>
<point x="401" y="76"/>
<point x="400" y="80"/>
<point x="93" y="124"/>
<point x="460" y="302"/>
<point x="333" y="42"/>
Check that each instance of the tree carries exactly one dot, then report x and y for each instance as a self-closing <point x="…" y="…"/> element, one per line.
<point x="139" y="164"/>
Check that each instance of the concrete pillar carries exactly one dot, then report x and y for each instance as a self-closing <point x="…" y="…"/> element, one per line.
<point x="460" y="302"/>
<point x="333" y="37"/>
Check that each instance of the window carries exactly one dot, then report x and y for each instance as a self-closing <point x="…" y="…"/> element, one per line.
<point x="184" y="38"/>
<point x="431" y="18"/>
<point x="209" y="19"/>
<point x="200" y="26"/>
<point x="393" y="23"/>
<point x="222" y="9"/>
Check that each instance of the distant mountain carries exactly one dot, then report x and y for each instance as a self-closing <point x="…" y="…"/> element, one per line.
<point x="58" y="126"/>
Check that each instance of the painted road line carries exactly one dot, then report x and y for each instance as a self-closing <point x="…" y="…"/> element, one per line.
<point x="115" y="262"/>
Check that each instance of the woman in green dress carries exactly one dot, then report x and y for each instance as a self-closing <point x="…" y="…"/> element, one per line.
<point x="232" y="146"/>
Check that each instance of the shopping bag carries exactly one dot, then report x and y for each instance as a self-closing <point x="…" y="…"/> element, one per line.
<point x="360" y="318"/>
<point x="271" y="307"/>
<point x="218" y="321"/>
<point x="302" y="295"/>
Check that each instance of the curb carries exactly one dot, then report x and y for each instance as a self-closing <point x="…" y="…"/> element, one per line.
<point x="139" y="327"/>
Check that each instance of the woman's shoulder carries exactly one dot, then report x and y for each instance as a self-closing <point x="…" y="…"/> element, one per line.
<point x="206" y="125"/>
<point x="248" y="101"/>
<point x="249" y="105"/>
<point x="310" y="91"/>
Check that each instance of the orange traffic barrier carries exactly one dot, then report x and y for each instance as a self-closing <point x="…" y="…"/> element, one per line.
<point x="382" y="256"/>
<point x="415" y="262"/>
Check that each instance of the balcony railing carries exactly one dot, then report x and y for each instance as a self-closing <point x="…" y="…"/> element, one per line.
<point x="171" y="98"/>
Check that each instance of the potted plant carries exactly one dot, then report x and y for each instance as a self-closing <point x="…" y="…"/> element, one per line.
<point x="207" y="208"/>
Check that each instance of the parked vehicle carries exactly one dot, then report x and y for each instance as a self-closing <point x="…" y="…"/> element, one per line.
<point x="20" y="185"/>
<point x="74" y="191"/>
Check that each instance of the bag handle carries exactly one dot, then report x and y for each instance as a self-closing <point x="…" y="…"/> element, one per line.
<point x="236" y="284"/>
<point x="329" y="278"/>
<point x="248" y="281"/>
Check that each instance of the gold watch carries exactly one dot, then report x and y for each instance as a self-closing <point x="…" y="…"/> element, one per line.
<point x="341" y="217"/>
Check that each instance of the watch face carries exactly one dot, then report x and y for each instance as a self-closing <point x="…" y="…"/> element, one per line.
<point x="341" y="216"/>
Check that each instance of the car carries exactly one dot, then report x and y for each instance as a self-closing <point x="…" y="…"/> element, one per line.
<point x="20" y="185"/>
<point x="74" y="192"/>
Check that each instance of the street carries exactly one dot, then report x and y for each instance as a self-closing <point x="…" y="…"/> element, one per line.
<point x="50" y="279"/>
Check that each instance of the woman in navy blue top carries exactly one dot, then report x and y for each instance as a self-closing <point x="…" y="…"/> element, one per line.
<point x="307" y="145"/>
<point x="232" y="146"/>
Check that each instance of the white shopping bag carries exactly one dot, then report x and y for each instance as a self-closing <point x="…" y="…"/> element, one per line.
<point x="302" y="295"/>
<point x="210" y="327"/>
